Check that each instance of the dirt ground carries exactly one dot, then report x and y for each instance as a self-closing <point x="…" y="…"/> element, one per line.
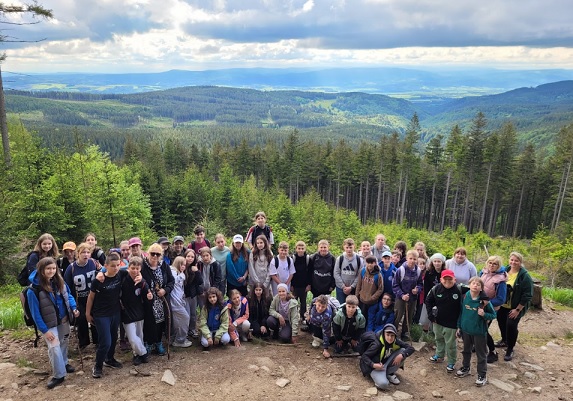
<point x="252" y="371"/>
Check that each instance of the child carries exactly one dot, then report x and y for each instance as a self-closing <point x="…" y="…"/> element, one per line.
<point x="49" y="290"/>
<point x="348" y="325"/>
<point x="301" y="279"/>
<point x="383" y="355"/>
<point x="401" y="247"/>
<point x="214" y="320"/>
<point x="346" y="271"/>
<point x="443" y="303"/>
<point x="281" y="269"/>
<point x="284" y="315"/>
<point x="472" y="324"/>
<point x="259" y="260"/>
<point x="237" y="266"/>
<point x="421" y="317"/>
<point x="365" y="250"/>
<point x="69" y="250"/>
<point x="45" y="247"/>
<point x="259" y="304"/>
<point x="239" y="315"/>
<point x="381" y="313"/>
<point x="78" y="277"/>
<point x="370" y="284"/>
<point x="210" y="270"/>
<point x="167" y="252"/>
<point x="219" y="253"/>
<point x="431" y="278"/>
<point x="260" y="228"/>
<point x="179" y="312"/>
<point x="406" y="286"/>
<point x="200" y="240"/>
<point x="135" y="291"/>
<point x="322" y="273"/>
<point x="97" y="253"/>
<point x="380" y="247"/>
<point x="387" y="269"/>
<point x="103" y="310"/>
<point x="193" y="288"/>
<point x="320" y="321"/>
<point x="396" y="258"/>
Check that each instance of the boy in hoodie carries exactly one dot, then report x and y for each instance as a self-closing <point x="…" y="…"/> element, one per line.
<point x="346" y="269"/>
<point x="387" y="269"/>
<point x="320" y="320"/>
<point x="348" y="325"/>
<point x="322" y="277"/>
<point x="381" y="313"/>
<point x="407" y="285"/>
<point x="370" y="285"/>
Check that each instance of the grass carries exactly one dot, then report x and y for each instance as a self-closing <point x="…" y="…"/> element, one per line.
<point x="563" y="296"/>
<point x="10" y="308"/>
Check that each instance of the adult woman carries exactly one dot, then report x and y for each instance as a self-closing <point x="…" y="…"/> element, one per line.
<point x="237" y="266"/>
<point x="461" y="266"/>
<point x="519" y="294"/>
<point x="160" y="280"/>
<point x="494" y="279"/>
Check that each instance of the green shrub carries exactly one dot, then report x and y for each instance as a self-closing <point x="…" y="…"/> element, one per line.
<point x="563" y="296"/>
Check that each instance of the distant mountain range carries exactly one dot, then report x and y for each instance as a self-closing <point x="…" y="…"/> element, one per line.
<point x="412" y="84"/>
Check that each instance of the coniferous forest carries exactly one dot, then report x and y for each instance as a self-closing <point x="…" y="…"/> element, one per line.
<point x="474" y="179"/>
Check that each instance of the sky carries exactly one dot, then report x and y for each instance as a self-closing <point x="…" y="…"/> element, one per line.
<point x="118" y="36"/>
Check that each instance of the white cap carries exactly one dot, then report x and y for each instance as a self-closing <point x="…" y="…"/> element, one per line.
<point x="238" y="238"/>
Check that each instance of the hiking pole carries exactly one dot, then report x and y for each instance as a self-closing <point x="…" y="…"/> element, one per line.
<point x="168" y="324"/>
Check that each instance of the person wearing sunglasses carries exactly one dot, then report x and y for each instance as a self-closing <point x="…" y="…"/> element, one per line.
<point x="158" y="276"/>
<point x="494" y="277"/>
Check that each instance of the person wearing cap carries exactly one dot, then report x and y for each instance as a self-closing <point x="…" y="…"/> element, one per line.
<point x="443" y="303"/>
<point x="383" y="354"/>
<point x="237" y="266"/>
<point x="387" y="269"/>
<point x="164" y="242"/>
<point x="69" y="257"/>
<point x="178" y="246"/>
<point x="135" y="245"/>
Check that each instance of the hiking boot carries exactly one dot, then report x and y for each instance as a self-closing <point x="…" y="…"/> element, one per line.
<point x="492" y="357"/>
<point x="184" y="344"/>
<point x="55" y="382"/>
<point x="508" y="356"/>
<point x="481" y="380"/>
<point x="450" y="368"/>
<point x="316" y="342"/>
<point x="436" y="359"/>
<point x="70" y="368"/>
<point x="112" y="363"/>
<point x="137" y="360"/>
<point x="500" y="344"/>
<point x="393" y="379"/>
<point x="145" y="358"/>
<point x="193" y="333"/>
<point x="149" y="348"/>
<point x="97" y="372"/>
<point x="463" y="372"/>
<point x="160" y="349"/>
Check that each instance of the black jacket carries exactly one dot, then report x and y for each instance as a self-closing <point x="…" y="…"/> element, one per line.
<point x="372" y="347"/>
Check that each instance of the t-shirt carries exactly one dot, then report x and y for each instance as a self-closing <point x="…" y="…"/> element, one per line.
<point x="132" y="298"/>
<point x="511" y="277"/>
<point x="106" y="301"/>
<point x="282" y="271"/>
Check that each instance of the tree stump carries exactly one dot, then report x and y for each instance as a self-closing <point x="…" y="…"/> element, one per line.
<point x="537" y="299"/>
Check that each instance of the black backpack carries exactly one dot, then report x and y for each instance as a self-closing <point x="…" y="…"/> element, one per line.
<point x="25" y="272"/>
<point x="26" y="308"/>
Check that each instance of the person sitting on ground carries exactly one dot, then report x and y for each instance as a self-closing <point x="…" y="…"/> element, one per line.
<point x="381" y="313"/>
<point x="284" y="315"/>
<point x="383" y="355"/>
<point x="320" y="321"/>
<point x="348" y="325"/>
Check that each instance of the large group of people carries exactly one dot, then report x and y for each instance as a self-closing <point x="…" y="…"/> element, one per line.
<point x="364" y="301"/>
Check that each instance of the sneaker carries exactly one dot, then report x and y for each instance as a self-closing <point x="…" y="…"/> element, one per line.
<point x="492" y="357"/>
<point x="194" y="334"/>
<point x="145" y="358"/>
<point x="316" y="342"/>
<point x="508" y="356"/>
<point x="393" y="379"/>
<point x="436" y="359"/>
<point x="450" y="368"/>
<point x="184" y="344"/>
<point x="97" y="372"/>
<point x="206" y="349"/>
<point x="244" y="338"/>
<point x="70" y="368"/>
<point x="463" y="372"/>
<point x="112" y="363"/>
<point x="137" y="360"/>
<point x="160" y="349"/>
<point x="500" y="344"/>
<point x="149" y="348"/>
<point x="481" y="380"/>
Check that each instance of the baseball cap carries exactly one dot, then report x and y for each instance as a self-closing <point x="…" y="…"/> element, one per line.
<point x="448" y="273"/>
<point x="135" y="241"/>
<point x="178" y="238"/>
<point x="238" y="238"/>
<point x="69" y="246"/>
<point x="386" y="253"/>
<point x="390" y="327"/>
<point x="163" y="240"/>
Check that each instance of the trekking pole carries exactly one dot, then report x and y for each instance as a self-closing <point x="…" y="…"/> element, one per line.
<point x="168" y="324"/>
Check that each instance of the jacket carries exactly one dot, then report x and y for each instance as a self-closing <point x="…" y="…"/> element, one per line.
<point x="303" y="268"/>
<point x="469" y="321"/>
<point x="211" y="276"/>
<point x="378" y="316"/>
<point x="214" y="319"/>
<point x="194" y="284"/>
<point x="236" y="269"/>
<point x="495" y="286"/>
<point x="521" y="292"/>
<point x="404" y="285"/>
<point x="259" y="270"/>
<point x="372" y="346"/>
<point x="345" y="327"/>
<point x="369" y="289"/>
<point x="324" y="321"/>
<point x="294" y="315"/>
<point x="448" y="302"/>
<point x="133" y="298"/>
<point x="322" y="279"/>
<point x="168" y="280"/>
<point x="243" y="313"/>
<point x="388" y="277"/>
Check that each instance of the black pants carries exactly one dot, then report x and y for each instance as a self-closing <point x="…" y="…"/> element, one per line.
<point x="300" y="294"/>
<point x="256" y="327"/>
<point x="508" y="327"/>
<point x="83" y="327"/>
<point x="283" y="333"/>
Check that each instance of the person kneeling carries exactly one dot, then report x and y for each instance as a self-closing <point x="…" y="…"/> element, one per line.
<point x="383" y="354"/>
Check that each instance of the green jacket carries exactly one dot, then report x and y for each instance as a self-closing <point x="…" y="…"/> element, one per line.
<point x="469" y="321"/>
<point x="522" y="291"/>
<point x="292" y="309"/>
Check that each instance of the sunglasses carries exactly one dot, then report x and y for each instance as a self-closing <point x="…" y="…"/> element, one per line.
<point x="155" y="254"/>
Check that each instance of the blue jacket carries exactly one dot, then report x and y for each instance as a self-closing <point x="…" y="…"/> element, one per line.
<point x="61" y="304"/>
<point x="388" y="276"/>
<point x="378" y="316"/>
<point x="323" y="320"/>
<point x="236" y="269"/>
<point x="404" y="285"/>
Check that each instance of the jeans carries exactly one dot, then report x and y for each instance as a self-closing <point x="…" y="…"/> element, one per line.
<point x="107" y="327"/>
<point x="58" y="354"/>
<point x="341" y="296"/>
<point x="191" y="304"/>
<point x="83" y="327"/>
<point x="380" y="377"/>
<point x="134" y="333"/>
<point x="225" y="339"/>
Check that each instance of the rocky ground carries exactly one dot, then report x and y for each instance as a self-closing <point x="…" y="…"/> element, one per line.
<point x="542" y="369"/>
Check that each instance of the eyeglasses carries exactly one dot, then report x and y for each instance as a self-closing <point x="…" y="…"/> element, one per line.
<point x="155" y="254"/>
<point x="386" y="299"/>
<point x="493" y="263"/>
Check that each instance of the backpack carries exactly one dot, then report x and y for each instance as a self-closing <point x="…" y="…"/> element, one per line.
<point x="402" y="270"/>
<point x="334" y="304"/>
<point x="266" y="231"/>
<point x="277" y="261"/>
<point x="25" y="273"/>
<point x="363" y="273"/>
<point x="341" y="259"/>
<point x="26" y="308"/>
